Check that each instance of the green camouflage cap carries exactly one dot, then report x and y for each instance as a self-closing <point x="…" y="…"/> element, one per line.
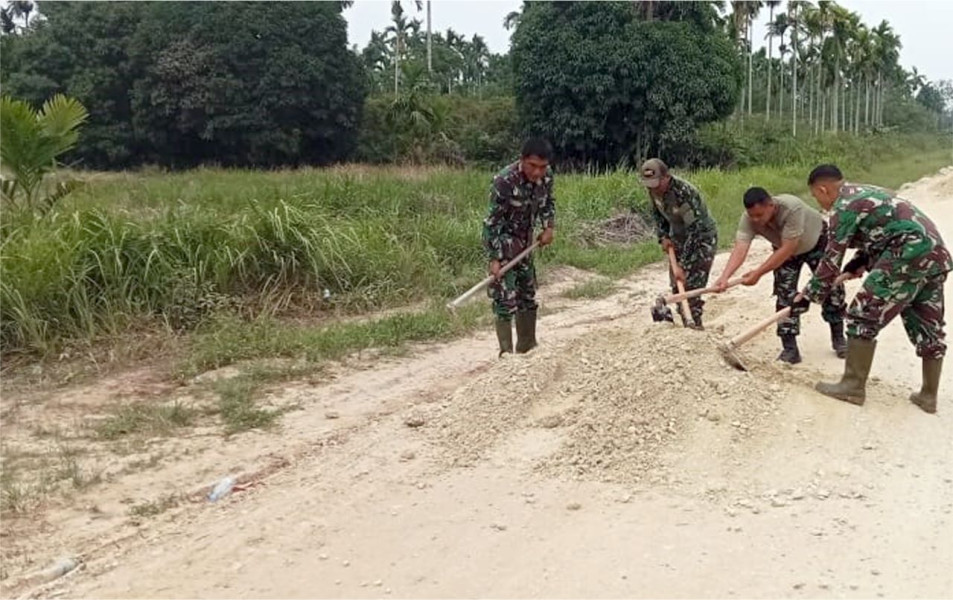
<point x="652" y="172"/>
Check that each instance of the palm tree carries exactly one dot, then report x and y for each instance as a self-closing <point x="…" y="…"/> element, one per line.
<point x="398" y="31"/>
<point x="457" y="44"/>
<point x="32" y="141"/>
<point x="778" y="28"/>
<point x="512" y="20"/>
<point x="793" y="6"/>
<point x="865" y="65"/>
<point x="479" y="55"/>
<point x="815" y="28"/>
<point x="21" y="9"/>
<point x="772" y="4"/>
<point x="741" y="31"/>
<point x="429" y="40"/>
<point x="7" y="24"/>
<point x="886" y="52"/>
<point x="840" y="34"/>
<point x="915" y="81"/>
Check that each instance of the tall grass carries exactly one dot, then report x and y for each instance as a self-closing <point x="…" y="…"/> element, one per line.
<point x="151" y="249"/>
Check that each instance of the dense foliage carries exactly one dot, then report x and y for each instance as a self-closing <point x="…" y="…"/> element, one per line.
<point x="184" y="83"/>
<point x="606" y="86"/>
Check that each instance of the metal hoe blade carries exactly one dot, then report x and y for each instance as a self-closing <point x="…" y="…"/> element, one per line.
<point x="728" y="352"/>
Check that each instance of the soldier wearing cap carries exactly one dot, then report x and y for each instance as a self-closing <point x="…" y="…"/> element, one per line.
<point x="682" y="222"/>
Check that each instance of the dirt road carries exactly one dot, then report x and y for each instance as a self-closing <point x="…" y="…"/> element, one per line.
<point x="623" y="459"/>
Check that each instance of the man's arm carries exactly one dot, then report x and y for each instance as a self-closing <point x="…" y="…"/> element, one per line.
<point x="662" y="228"/>
<point x="493" y="225"/>
<point x="843" y="226"/>
<point x="791" y="233"/>
<point x="738" y="255"/>
<point x="777" y="258"/>
<point x="547" y="214"/>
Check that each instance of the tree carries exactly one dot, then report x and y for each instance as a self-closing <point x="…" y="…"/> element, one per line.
<point x="743" y="11"/>
<point x="31" y="143"/>
<point x="606" y="86"/>
<point x="180" y="83"/>
<point x="228" y="87"/>
<point x="778" y="28"/>
<point x="772" y="4"/>
<point x="793" y="6"/>
<point x="931" y="98"/>
<point x="886" y="53"/>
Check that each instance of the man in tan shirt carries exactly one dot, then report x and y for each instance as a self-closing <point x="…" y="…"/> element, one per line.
<point x="798" y="234"/>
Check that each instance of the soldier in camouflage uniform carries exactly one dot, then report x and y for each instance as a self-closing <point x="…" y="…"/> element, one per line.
<point x="521" y="195"/>
<point x="907" y="264"/>
<point x="682" y="221"/>
<point x="799" y="236"/>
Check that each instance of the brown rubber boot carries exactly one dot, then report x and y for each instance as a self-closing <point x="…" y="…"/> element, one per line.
<point x="926" y="397"/>
<point x="852" y="385"/>
<point x="838" y="343"/>
<point x="525" y="331"/>
<point x="504" y="333"/>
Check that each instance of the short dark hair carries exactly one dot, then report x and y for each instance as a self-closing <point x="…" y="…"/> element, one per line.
<point x="537" y="146"/>
<point x="824" y="172"/>
<point x="755" y="196"/>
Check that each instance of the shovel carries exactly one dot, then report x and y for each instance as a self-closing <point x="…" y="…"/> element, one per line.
<point x="659" y="311"/>
<point x="728" y="349"/>
<point x="489" y="279"/>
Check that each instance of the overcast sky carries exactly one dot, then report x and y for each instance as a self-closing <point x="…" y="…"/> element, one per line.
<point x="925" y="26"/>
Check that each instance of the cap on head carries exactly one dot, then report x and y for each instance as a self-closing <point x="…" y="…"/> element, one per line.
<point x="653" y="170"/>
<point x="824" y="173"/>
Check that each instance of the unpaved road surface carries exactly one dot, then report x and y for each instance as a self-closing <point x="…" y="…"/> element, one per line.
<point x="621" y="459"/>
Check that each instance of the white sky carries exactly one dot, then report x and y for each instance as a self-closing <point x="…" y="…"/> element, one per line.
<point x="925" y="26"/>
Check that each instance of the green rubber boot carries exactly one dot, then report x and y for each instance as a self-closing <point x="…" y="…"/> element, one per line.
<point x="853" y="384"/>
<point x="504" y="333"/>
<point x="926" y="397"/>
<point x="525" y="331"/>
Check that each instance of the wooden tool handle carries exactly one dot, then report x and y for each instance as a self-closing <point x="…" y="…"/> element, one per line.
<point x="489" y="279"/>
<point x="781" y="314"/>
<point x="698" y="292"/>
<point x="681" y="287"/>
<point x="747" y="335"/>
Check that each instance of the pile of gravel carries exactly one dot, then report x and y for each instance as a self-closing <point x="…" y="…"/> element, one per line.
<point x="621" y="399"/>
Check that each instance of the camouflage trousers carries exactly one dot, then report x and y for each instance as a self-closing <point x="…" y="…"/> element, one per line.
<point x="888" y="291"/>
<point x="695" y="255"/>
<point x="786" y="279"/>
<point x="515" y="291"/>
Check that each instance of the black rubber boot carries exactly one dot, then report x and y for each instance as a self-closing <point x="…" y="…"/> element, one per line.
<point x="525" y="331"/>
<point x="790" y="354"/>
<point x="926" y="397"/>
<point x="838" y="343"/>
<point x="504" y="333"/>
<point x="852" y="386"/>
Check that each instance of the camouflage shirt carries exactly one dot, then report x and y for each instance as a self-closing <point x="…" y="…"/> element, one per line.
<point x="516" y="204"/>
<point x="886" y="229"/>
<point x="680" y="213"/>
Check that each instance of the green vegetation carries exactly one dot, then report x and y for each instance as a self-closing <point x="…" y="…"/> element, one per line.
<point x="179" y="250"/>
<point x="32" y="141"/>
<point x="145" y="418"/>
<point x="594" y="288"/>
<point x="187" y="83"/>
<point x="614" y="88"/>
